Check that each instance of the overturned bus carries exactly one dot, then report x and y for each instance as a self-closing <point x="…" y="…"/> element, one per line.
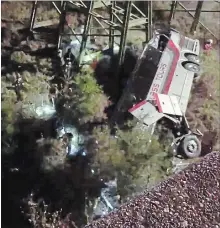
<point x="160" y="86"/>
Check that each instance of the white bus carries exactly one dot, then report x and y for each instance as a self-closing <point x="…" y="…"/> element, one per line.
<point x="160" y="87"/>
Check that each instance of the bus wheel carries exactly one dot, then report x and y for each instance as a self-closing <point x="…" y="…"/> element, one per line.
<point x="192" y="67"/>
<point x="193" y="58"/>
<point x="191" y="146"/>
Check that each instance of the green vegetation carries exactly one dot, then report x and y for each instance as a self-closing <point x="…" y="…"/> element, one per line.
<point x="128" y="158"/>
<point x="21" y="11"/>
<point x="16" y="10"/>
<point x="53" y="153"/>
<point x="39" y="216"/>
<point x="211" y="106"/>
<point x="19" y="101"/>
<point x="29" y="145"/>
<point x="86" y="100"/>
<point x="21" y="57"/>
<point x="204" y="105"/>
<point x="8" y="100"/>
<point x="124" y="157"/>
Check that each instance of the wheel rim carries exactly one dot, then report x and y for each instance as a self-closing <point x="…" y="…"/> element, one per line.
<point x="193" y="58"/>
<point x="192" y="67"/>
<point x="192" y="146"/>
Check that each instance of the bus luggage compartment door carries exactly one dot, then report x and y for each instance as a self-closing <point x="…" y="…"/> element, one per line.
<point x="168" y="104"/>
<point x="146" y="113"/>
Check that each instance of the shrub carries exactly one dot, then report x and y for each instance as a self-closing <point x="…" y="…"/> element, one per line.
<point x="8" y="106"/>
<point x="16" y="10"/>
<point x="86" y="99"/>
<point x="32" y="90"/>
<point x="204" y="104"/>
<point x="130" y="158"/>
<point x="39" y="216"/>
<point x="21" y="57"/>
<point x="53" y="153"/>
<point x="35" y="93"/>
<point x="21" y="11"/>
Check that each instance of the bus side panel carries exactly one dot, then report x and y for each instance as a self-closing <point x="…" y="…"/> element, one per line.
<point x="185" y="95"/>
<point x="161" y="74"/>
<point x="181" y="86"/>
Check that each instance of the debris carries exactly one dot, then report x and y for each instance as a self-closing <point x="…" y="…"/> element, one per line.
<point x="39" y="107"/>
<point x="74" y="141"/>
<point x="107" y="201"/>
<point x="45" y="111"/>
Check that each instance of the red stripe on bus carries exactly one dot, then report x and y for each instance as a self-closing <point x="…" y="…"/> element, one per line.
<point x="137" y="106"/>
<point x="158" y="102"/>
<point x="172" y="46"/>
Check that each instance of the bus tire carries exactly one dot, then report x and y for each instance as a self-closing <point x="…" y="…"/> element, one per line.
<point x="193" y="58"/>
<point x="191" y="146"/>
<point x="193" y="67"/>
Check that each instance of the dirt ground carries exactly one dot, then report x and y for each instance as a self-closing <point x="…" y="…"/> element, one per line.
<point x="183" y="21"/>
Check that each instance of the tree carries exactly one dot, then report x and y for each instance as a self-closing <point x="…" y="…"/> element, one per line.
<point x="130" y="158"/>
<point x="8" y="101"/>
<point x="35" y="93"/>
<point x="21" y="57"/>
<point x="85" y="99"/>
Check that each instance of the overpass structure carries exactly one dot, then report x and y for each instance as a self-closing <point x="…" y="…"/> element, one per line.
<point x="108" y="19"/>
<point x="111" y="20"/>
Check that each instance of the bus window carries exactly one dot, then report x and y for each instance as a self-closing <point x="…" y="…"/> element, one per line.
<point x="163" y="40"/>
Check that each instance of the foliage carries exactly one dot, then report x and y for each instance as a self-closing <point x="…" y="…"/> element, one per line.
<point x="8" y="114"/>
<point x="21" y="57"/>
<point x="86" y="100"/>
<point x="39" y="216"/>
<point x="38" y="162"/>
<point x="130" y="158"/>
<point x="45" y="66"/>
<point x="53" y="153"/>
<point x="204" y="105"/>
<point x="34" y="85"/>
<point x="51" y="14"/>
<point x="16" y="10"/>
<point x="35" y="93"/>
<point x="147" y="164"/>
<point x="30" y="88"/>
<point x="210" y="107"/>
<point x="8" y="102"/>
<point x="108" y="158"/>
<point x="21" y="11"/>
<point x="210" y="66"/>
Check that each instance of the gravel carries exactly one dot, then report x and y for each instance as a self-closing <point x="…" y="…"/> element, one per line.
<point x="190" y="198"/>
